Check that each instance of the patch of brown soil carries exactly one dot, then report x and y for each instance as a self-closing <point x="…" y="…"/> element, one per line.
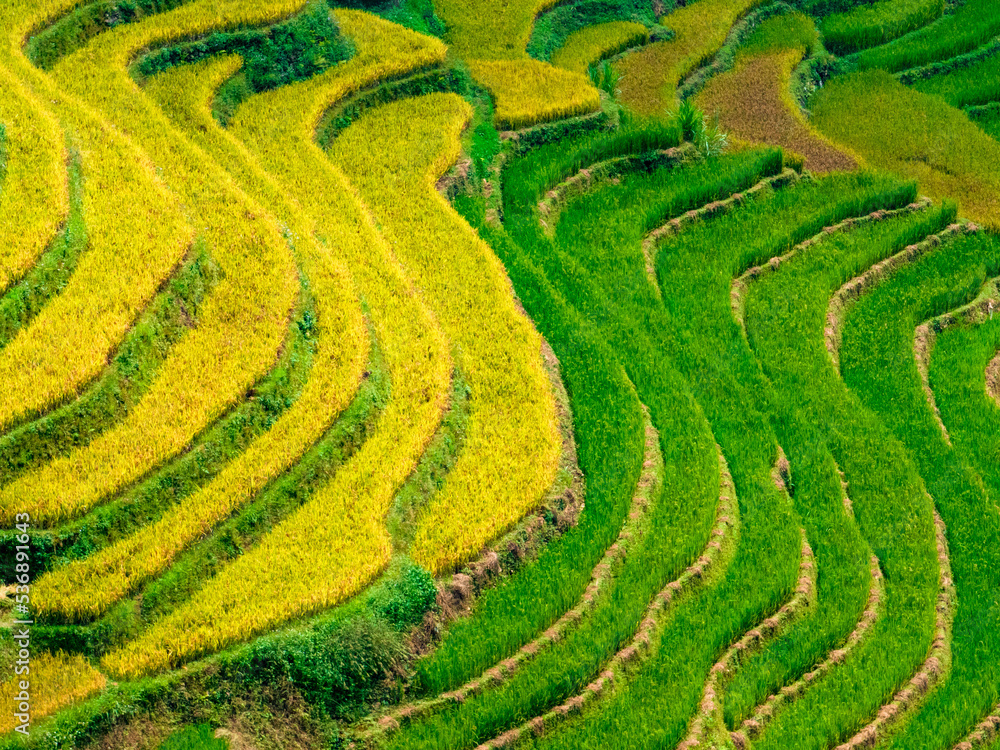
<point x="993" y="379"/>
<point x="754" y="104"/>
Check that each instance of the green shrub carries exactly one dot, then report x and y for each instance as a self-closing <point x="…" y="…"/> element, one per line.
<point x="404" y="598"/>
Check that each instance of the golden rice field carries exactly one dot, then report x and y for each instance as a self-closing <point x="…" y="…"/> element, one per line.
<point x="466" y="375"/>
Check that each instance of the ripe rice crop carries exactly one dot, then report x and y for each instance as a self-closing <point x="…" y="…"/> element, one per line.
<point x="490" y="29"/>
<point x="54" y="681"/>
<point x="593" y="43"/>
<point x="513" y="414"/>
<point x="339" y="533"/>
<point x="650" y="76"/>
<point x="870" y="25"/>
<point x="87" y="587"/>
<point x="527" y="92"/>
<point x="242" y="323"/>
<point x="34" y="197"/>
<point x="916" y="135"/>
<point x="137" y="236"/>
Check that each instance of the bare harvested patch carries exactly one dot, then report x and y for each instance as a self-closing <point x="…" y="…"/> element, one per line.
<point x="754" y="104"/>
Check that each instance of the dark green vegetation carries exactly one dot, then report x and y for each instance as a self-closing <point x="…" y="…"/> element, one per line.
<point x="88" y="19"/>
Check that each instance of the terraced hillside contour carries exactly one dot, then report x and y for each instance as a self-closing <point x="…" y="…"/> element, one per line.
<point x="427" y="374"/>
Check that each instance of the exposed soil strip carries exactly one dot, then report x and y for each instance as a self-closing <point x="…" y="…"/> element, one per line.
<point x="993" y="379"/>
<point x="646" y="489"/>
<point x="715" y="556"/>
<point x="737" y="291"/>
<point x="936" y="665"/>
<point x="708" y="724"/>
<point x="763" y="714"/>
<point x="982" y="308"/>
<point x="985" y="732"/>
<point x="651" y="241"/>
<point x="556" y="198"/>
<point x="923" y="343"/>
<point x="857" y="286"/>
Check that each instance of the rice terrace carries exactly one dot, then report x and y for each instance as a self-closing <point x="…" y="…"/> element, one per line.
<point x="480" y="374"/>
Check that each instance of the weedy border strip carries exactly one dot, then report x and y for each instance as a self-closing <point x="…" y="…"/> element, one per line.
<point x="844" y="297"/>
<point x="739" y="286"/>
<point x="709" y="721"/>
<point x="715" y="556"/>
